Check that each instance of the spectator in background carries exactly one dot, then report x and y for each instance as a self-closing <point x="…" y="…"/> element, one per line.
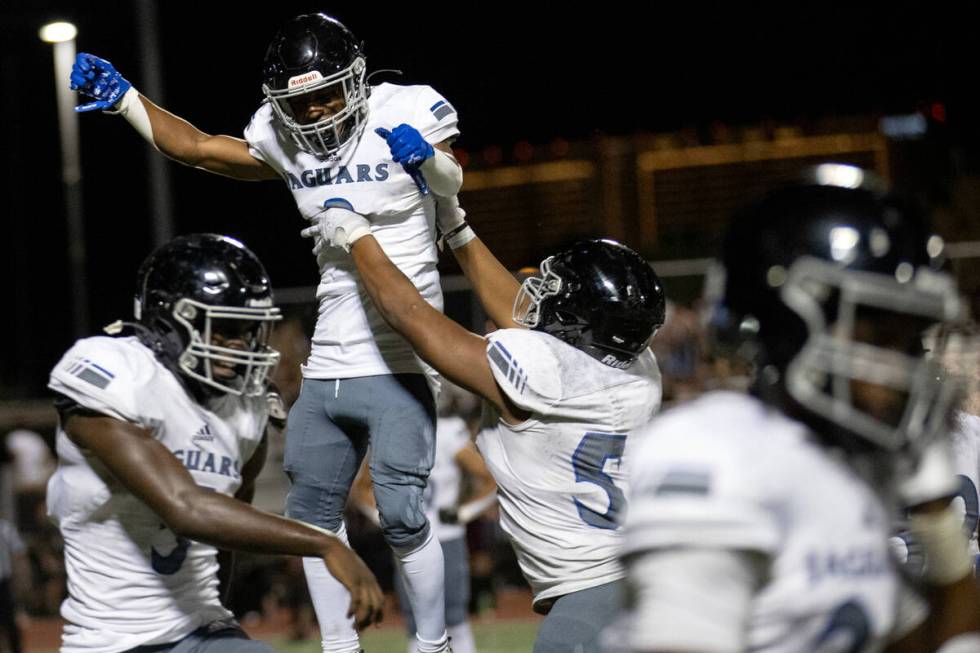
<point x="31" y="466"/>
<point x="13" y="582"/>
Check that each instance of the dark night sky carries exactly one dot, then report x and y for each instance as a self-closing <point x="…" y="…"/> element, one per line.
<point x="511" y="74"/>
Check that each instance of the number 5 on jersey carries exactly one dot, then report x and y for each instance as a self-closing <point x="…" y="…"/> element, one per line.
<point x="589" y="460"/>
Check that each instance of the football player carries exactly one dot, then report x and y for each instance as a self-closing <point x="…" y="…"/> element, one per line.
<point x="567" y="378"/>
<point x="161" y="435"/>
<point x="319" y="130"/>
<point x="761" y="522"/>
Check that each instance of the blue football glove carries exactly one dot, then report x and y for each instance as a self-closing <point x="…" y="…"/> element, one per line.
<point x="412" y="170"/>
<point x="407" y="146"/>
<point x="97" y="79"/>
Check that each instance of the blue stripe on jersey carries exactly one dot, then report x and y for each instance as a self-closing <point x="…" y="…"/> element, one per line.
<point x="498" y="359"/>
<point x="102" y="369"/>
<point x="441" y="109"/>
<point x="91" y="376"/>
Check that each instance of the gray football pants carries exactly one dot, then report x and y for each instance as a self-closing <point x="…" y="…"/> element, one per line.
<point x="576" y="620"/>
<point x="328" y="432"/>
<point x="219" y="637"/>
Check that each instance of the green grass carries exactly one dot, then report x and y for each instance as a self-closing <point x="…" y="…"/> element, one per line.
<point x="495" y="637"/>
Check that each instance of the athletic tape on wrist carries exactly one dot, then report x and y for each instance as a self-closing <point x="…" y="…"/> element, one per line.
<point x="131" y="108"/>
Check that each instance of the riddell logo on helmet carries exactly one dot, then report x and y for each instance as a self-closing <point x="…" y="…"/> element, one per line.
<point x="305" y="78"/>
<point x="612" y="361"/>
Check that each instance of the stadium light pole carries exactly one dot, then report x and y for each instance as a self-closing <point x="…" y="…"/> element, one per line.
<point x="62" y="36"/>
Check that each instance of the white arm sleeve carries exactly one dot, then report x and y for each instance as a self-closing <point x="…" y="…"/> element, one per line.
<point x="444" y="174"/>
<point x="693" y="599"/>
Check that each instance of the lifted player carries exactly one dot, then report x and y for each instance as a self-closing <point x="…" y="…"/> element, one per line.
<point x="318" y="130"/>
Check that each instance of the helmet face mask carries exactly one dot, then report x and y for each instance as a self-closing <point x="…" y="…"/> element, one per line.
<point x="534" y="290"/>
<point x="311" y="58"/>
<point x="827" y="287"/>
<point x="865" y="371"/>
<point x="327" y="135"/>
<point x="227" y="346"/>
<point x="207" y="302"/>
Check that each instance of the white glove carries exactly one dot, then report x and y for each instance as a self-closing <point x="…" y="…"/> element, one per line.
<point x="336" y="227"/>
<point x="451" y="220"/>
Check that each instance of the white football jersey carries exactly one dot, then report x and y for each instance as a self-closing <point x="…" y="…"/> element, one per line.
<point x="966" y="461"/>
<point x="727" y="471"/>
<point x="351" y="339"/>
<point x="132" y="581"/>
<point x="561" y="480"/>
<point x="442" y="490"/>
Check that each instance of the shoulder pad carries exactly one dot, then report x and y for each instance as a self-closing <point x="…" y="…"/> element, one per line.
<point x="109" y="376"/>
<point x="433" y="116"/>
<point x="525" y="368"/>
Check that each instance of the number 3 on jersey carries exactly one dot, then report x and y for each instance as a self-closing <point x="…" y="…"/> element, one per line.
<point x="588" y="462"/>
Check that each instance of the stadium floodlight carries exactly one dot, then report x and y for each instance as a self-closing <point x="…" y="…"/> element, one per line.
<point x="61" y="35"/>
<point x="58" y="32"/>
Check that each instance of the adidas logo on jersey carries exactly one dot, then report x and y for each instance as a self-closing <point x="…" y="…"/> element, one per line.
<point x="203" y="434"/>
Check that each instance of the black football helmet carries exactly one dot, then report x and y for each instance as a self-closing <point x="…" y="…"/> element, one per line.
<point x="316" y="54"/>
<point x="598" y="296"/>
<point x="811" y="277"/>
<point x="206" y="303"/>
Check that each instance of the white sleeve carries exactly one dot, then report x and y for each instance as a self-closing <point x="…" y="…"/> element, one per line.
<point x="526" y="369"/>
<point x="97" y="374"/>
<point x="692" y="599"/>
<point x="434" y="117"/>
<point x="260" y="132"/>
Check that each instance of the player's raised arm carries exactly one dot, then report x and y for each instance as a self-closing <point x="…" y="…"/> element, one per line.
<point x="458" y="354"/>
<point x="172" y="135"/>
<point x="494" y="285"/>
<point x="152" y="473"/>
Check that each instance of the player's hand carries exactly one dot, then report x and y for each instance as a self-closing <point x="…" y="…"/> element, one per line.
<point x="97" y="79"/>
<point x="335" y="226"/>
<point x="449" y="214"/>
<point x="407" y="145"/>
<point x="448" y="516"/>
<point x="366" y="598"/>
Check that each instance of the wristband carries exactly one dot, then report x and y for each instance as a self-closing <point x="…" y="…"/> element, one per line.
<point x="459" y="236"/>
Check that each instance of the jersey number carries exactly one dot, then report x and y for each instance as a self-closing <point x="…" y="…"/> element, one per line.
<point x="170" y="564"/>
<point x="588" y="461"/>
